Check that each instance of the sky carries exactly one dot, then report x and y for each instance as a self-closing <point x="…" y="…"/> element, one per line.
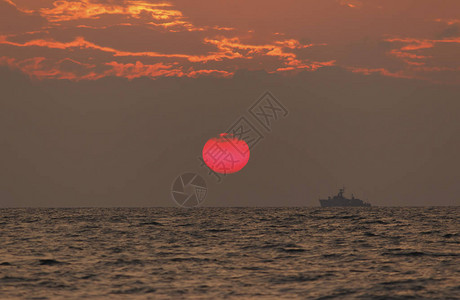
<point x="105" y="103"/>
<point x="90" y="39"/>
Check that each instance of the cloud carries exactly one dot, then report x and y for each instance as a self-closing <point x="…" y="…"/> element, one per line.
<point x="16" y="20"/>
<point x="228" y="49"/>
<point x="410" y="48"/>
<point x="448" y="21"/>
<point x="85" y="9"/>
<point x="351" y="3"/>
<point x="226" y="37"/>
<point x="42" y="68"/>
<point x="81" y="43"/>
<point x="225" y="49"/>
<point x="22" y="10"/>
<point x="139" y="69"/>
<point x="382" y="71"/>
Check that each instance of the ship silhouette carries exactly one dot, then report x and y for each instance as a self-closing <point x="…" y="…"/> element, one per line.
<point x="340" y="200"/>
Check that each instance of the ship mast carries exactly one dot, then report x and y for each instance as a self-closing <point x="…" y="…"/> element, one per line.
<point x="341" y="191"/>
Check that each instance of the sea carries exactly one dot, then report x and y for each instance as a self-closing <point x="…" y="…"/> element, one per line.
<point x="230" y="253"/>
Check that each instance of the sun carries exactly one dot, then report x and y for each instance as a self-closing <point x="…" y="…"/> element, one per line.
<point x="226" y="154"/>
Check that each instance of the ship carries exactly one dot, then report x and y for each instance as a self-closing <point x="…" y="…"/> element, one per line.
<point x="340" y="201"/>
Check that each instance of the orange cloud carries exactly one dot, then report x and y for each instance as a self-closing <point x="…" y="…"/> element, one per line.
<point x="228" y="49"/>
<point x="402" y="54"/>
<point x="138" y="69"/>
<point x="234" y="48"/>
<point x="85" y="9"/>
<point x="448" y="21"/>
<point x="69" y="10"/>
<point x="281" y="55"/>
<point x="417" y="44"/>
<point x="408" y="51"/>
<point x="381" y="71"/>
<point x="311" y="66"/>
<point x="81" y="43"/>
<point x="218" y="73"/>
<point x="41" y="68"/>
<point x="351" y="3"/>
<point x="435" y="69"/>
<point x="23" y="10"/>
<point x="85" y="23"/>
<point x="36" y="67"/>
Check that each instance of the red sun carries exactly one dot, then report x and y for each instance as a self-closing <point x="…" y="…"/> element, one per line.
<point x="226" y="154"/>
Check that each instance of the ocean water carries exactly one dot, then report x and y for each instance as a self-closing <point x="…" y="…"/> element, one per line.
<point x="230" y="253"/>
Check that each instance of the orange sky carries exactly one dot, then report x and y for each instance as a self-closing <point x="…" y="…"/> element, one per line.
<point x="90" y="39"/>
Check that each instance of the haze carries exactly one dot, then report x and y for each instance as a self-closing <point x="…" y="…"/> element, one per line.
<point x="104" y="103"/>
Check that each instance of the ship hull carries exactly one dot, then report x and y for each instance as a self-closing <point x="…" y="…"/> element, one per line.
<point x="343" y="203"/>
